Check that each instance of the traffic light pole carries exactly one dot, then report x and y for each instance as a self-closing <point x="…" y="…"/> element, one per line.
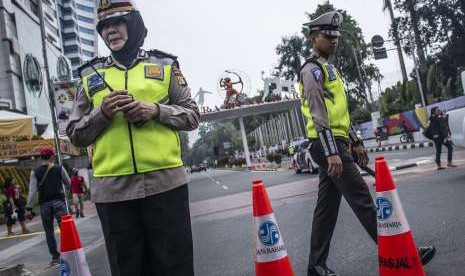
<point x="49" y="85"/>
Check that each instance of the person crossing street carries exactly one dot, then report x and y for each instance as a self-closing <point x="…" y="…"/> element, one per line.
<point x="325" y="106"/>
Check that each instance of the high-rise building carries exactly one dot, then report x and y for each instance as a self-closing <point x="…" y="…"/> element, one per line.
<point x="23" y="86"/>
<point x="78" y="20"/>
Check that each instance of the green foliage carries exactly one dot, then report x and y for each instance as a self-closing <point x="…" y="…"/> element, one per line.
<point x="393" y="101"/>
<point x="274" y="156"/>
<point x="213" y="135"/>
<point x="438" y="29"/>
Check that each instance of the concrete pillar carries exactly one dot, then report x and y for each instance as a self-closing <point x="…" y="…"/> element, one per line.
<point x="288" y="123"/>
<point x="260" y="137"/>
<point x="244" y="143"/>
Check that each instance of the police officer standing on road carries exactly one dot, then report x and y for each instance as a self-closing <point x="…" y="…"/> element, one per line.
<point x="130" y="107"/>
<point x="325" y="106"/>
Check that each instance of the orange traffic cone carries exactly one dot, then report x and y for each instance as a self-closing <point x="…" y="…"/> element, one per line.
<point x="72" y="257"/>
<point x="270" y="256"/>
<point x="398" y="255"/>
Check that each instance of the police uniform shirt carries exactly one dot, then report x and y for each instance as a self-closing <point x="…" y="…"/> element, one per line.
<point x="87" y="123"/>
<point x="313" y="91"/>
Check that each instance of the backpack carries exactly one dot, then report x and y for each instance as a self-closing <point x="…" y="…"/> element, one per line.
<point x="428" y="132"/>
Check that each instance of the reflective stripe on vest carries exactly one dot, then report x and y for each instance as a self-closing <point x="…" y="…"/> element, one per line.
<point x="336" y="108"/>
<point x="124" y="148"/>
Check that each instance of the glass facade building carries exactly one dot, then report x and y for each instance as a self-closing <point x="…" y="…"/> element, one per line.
<point x="78" y="21"/>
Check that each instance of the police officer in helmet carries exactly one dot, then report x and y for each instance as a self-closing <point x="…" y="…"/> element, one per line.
<point x="130" y="107"/>
<point x="325" y="106"/>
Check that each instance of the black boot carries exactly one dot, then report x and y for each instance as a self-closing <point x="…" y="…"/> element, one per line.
<point x="426" y="253"/>
<point x="319" y="270"/>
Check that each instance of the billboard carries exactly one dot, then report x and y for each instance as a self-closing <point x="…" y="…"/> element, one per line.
<point x="65" y="93"/>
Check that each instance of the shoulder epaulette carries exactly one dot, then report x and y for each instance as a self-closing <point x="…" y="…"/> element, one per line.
<point x="86" y="68"/>
<point x="165" y="57"/>
<point x="161" y="54"/>
<point x="313" y="59"/>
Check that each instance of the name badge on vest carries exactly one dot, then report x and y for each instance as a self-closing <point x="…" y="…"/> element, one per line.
<point x="96" y="83"/>
<point x="332" y="75"/>
<point x="154" y="72"/>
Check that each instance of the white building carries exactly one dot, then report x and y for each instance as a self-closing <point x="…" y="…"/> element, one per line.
<point x="78" y="21"/>
<point x="22" y="78"/>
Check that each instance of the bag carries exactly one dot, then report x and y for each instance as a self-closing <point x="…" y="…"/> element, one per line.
<point x="428" y="132"/>
<point x="22" y="201"/>
<point x="50" y="166"/>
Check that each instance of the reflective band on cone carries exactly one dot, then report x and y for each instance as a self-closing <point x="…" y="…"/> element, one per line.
<point x="397" y="252"/>
<point x="270" y="255"/>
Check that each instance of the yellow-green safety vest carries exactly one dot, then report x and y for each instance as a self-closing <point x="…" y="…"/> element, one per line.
<point x="124" y="148"/>
<point x="336" y="108"/>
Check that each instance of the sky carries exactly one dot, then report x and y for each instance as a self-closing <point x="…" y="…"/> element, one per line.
<point x="211" y="36"/>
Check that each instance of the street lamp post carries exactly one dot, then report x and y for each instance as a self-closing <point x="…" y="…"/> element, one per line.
<point x="49" y="86"/>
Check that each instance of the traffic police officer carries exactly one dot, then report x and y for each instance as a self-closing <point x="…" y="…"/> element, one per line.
<point x="325" y="106"/>
<point x="130" y="107"/>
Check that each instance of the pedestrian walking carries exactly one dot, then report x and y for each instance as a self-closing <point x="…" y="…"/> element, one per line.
<point x="14" y="206"/>
<point x="325" y="105"/>
<point x="130" y="109"/>
<point x="47" y="180"/>
<point x="440" y="131"/>
<point x="78" y="192"/>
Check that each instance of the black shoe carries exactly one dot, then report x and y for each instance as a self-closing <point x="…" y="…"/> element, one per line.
<point x="82" y="215"/>
<point x="55" y="261"/>
<point x="319" y="270"/>
<point x="426" y="253"/>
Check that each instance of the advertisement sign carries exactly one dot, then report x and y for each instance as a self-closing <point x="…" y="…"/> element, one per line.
<point x="65" y="93"/>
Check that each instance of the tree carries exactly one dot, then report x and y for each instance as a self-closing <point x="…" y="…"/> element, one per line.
<point x="438" y="28"/>
<point x="294" y="49"/>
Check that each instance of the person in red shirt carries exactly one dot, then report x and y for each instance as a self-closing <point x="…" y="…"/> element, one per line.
<point x="14" y="206"/>
<point x="78" y="191"/>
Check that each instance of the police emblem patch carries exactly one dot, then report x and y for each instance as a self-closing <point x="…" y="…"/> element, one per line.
<point x="104" y="4"/>
<point x="96" y="83"/>
<point x="154" y="72"/>
<point x="331" y="73"/>
<point x="316" y="72"/>
<point x="180" y="78"/>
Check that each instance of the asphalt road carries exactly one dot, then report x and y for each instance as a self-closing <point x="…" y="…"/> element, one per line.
<point x="224" y="240"/>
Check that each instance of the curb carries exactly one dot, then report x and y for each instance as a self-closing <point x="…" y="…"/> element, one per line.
<point x="401" y="147"/>
<point x="405" y="166"/>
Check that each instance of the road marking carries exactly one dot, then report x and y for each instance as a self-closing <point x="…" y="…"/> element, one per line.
<point x="211" y="178"/>
<point x="57" y="230"/>
<point x="22" y="246"/>
<point x="94" y="245"/>
<point x="225" y="187"/>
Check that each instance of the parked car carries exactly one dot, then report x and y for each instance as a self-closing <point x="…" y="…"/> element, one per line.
<point x="457" y="126"/>
<point x="302" y="160"/>
<point x="198" y="168"/>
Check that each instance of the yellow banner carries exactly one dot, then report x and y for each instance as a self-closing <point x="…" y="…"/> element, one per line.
<point x="33" y="147"/>
<point x="16" y="127"/>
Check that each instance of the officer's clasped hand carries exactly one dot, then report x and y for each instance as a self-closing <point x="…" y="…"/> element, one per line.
<point x="114" y="101"/>
<point x="139" y="112"/>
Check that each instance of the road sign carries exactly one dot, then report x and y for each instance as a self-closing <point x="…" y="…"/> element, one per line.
<point x="380" y="53"/>
<point x="377" y="41"/>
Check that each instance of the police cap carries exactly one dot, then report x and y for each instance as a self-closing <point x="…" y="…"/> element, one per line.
<point x="113" y="8"/>
<point x="327" y="23"/>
